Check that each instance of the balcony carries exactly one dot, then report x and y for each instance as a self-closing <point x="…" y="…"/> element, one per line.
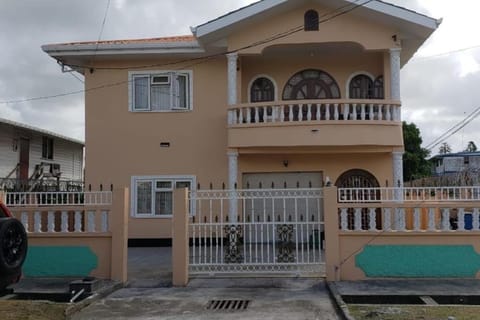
<point x="315" y="123"/>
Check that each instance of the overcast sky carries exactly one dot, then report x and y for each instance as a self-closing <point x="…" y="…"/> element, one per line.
<point x="437" y="90"/>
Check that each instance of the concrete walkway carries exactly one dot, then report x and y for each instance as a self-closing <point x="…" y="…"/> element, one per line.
<point x="270" y="298"/>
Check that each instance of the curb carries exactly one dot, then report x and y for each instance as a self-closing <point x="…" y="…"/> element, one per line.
<point x="103" y="292"/>
<point x="340" y="305"/>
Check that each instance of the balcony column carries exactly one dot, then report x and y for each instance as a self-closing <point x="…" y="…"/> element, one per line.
<point x="232" y="183"/>
<point x="232" y="78"/>
<point x="397" y="158"/>
<point x="395" y="73"/>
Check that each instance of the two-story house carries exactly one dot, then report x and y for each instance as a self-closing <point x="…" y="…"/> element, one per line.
<point x="278" y="94"/>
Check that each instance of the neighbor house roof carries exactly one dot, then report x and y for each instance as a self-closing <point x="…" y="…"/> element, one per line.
<point x="456" y="155"/>
<point x="40" y="131"/>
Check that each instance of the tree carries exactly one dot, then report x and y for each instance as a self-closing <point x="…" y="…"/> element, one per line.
<point x="415" y="163"/>
<point x="471" y="147"/>
<point x="445" y="148"/>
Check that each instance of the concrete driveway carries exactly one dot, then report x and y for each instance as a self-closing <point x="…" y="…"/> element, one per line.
<point x="149" y="295"/>
<point x="269" y="298"/>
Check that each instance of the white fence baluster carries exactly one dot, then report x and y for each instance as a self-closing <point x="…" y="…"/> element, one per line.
<point x="51" y="221"/>
<point x="318" y="111"/>
<point x="461" y="219"/>
<point x="309" y="112"/>
<point x="476" y="221"/>
<point x="445" y="219"/>
<point x="335" y="111"/>
<point x="346" y="111"/>
<point x="387" y="219"/>
<point x="354" y="111"/>
<point x="64" y="222"/>
<point x="362" y="111"/>
<point x="290" y="113"/>
<point x="256" y="118"/>
<point x="416" y="219"/>
<point x="37" y="222"/>
<point x="370" y="111"/>
<point x="78" y="221"/>
<point x="431" y="219"/>
<point x="372" y="219"/>
<point x="24" y="220"/>
<point x="388" y="114"/>
<point x="327" y="111"/>
<point x="300" y="112"/>
<point x="282" y="113"/>
<point x="90" y="221"/>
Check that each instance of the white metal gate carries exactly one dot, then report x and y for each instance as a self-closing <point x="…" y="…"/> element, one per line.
<point x="277" y="231"/>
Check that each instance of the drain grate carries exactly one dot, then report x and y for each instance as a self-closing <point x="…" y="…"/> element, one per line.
<point x="227" y="305"/>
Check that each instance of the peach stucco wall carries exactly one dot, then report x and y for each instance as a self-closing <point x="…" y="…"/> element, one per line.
<point x="121" y="144"/>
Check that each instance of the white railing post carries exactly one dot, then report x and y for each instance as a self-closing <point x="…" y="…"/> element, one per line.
<point x="24" y="220"/>
<point x="387" y="219"/>
<point x="372" y="219"/>
<point x="358" y="219"/>
<point x="90" y="221"/>
<point x="335" y="111"/>
<point x="416" y="219"/>
<point x="50" y="221"/>
<point x="445" y="219"/>
<point x="104" y="227"/>
<point x="37" y="222"/>
<point x="344" y="219"/>
<point x="78" y="221"/>
<point x="476" y="221"/>
<point x="461" y="219"/>
<point x="431" y="219"/>
<point x="64" y="221"/>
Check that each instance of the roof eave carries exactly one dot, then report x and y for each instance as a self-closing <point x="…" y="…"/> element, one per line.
<point x="112" y="49"/>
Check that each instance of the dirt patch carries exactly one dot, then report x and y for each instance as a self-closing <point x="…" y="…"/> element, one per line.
<point x="360" y="312"/>
<point x="32" y="310"/>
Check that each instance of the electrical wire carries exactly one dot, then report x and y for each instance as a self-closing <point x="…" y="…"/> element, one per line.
<point x="328" y="17"/>
<point x="451" y="131"/>
<point x="415" y="59"/>
<point x="101" y="31"/>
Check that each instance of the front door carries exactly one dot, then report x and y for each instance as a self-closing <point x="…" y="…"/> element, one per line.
<point x="24" y="158"/>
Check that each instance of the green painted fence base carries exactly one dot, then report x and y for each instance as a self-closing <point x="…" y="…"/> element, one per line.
<point x="59" y="261"/>
<point x="419" y="261"/>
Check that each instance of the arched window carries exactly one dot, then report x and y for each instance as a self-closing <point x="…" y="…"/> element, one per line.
<point x="378" y="92"/>
<point x="361" y="87"/>
<point x="262" y="89"/>
<point x="357" y="178"/>
<point x="311" y="20"/>
<point x="362" y="181"/>
<point x="311" y="84"/>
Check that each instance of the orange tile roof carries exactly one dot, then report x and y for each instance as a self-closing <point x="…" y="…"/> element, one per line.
<point x="185" y="38"/>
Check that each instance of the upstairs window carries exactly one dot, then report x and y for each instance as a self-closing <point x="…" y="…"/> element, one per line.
<point x="311" y="20"/>
<point x="361" y="87"/>
<point x="262" y="90"/>
<point x="162" y="91"/>
<point x="378" y="88"/>
<point x="47" y="148"/>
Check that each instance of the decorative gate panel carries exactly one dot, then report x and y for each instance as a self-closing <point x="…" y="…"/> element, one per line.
<point x="276" y="231"/>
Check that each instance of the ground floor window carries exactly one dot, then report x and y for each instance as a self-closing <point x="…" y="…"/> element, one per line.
<point x="153" y="196"/>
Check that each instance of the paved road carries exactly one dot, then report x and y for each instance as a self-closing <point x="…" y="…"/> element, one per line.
<point x="269" y="298"/>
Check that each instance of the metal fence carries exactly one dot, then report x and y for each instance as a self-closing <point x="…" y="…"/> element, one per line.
<point x="274" y="231"/>
<point x="21" y="199"/>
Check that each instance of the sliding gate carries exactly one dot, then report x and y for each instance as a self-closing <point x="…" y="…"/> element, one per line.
<point x="276" y="231"/>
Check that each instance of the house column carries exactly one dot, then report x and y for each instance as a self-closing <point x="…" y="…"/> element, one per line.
<point x="398" y="174"/>
<point x="232" y="183"/>
<point x="232" y="78"/>
<point x="395" y="73"/>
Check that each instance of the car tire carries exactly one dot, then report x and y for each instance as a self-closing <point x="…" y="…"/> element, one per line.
<point x="13" y="245"/>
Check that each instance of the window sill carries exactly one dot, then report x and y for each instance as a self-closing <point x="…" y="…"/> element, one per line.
<point x="154" y="217"/>
<point x="161" y="111"/>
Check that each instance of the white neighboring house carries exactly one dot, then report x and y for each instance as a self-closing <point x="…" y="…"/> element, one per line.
<point x="456" y="162"/>
<point x="35" y="159"/>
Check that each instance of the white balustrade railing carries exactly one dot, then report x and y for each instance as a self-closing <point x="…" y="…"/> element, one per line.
<point x="276" y="231"/>
<point x="419" y="217"/>
<point x="408" y="194"/>
<point x="51" y="220"/>
<point x="314" y="110"/>
<point x="22" y="199"/>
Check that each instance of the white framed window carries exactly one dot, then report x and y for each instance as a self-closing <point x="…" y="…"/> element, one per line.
<point x="152" y="196"/>
<point x="157" y="91"/>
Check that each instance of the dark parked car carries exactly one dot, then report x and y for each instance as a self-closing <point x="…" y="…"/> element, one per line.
<point x="13" y="248"/>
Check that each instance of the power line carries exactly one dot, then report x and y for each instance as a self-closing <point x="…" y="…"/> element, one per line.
<point x="101" y="31"/>
<point x="451" y="131"/>
<point x="328" y="17"/>
<point x="415" y="59"/>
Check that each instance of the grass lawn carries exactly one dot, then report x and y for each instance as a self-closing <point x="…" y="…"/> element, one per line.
<point x="400" y="312"/>
<point x="31" y="310"/>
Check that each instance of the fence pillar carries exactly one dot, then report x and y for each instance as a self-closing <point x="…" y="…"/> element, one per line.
<point x="180" y="237"/>
<point x="332" y="239"/>
<point x="118" y="226"/>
